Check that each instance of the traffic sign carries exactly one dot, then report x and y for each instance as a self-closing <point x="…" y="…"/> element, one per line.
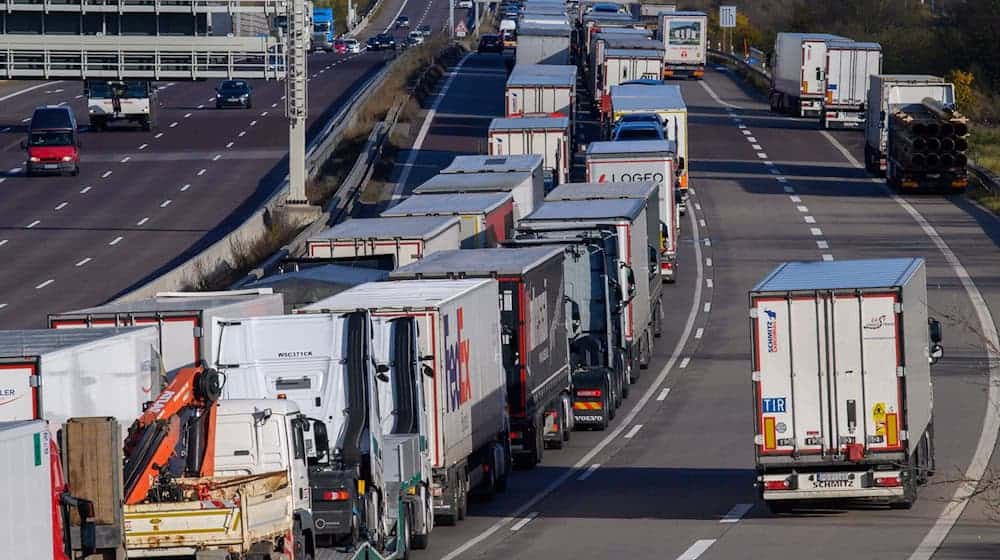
<point x="461" y="30"/>
<point x="727" y="16"/>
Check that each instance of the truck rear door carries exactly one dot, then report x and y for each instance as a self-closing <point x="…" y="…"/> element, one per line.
<point x="813" y="67"/>
<point x="19" y="399"/>
<point x="825" y="372"/>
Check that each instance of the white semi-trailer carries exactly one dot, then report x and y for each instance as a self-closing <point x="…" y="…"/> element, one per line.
<point x="843" y="402"/>
<point x="798" y="73"/>
<point x="458" y="333"/>
<point x="685" y="42"/>
<point x="849" y="68"/>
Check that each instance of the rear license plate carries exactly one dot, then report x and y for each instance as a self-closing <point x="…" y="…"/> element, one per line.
<point x="833" y="476"/>
<point x="51" y="166"/>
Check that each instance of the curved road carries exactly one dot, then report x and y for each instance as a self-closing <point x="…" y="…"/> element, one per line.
<point x="146" y="201"/>
<point x="673" y="478"/>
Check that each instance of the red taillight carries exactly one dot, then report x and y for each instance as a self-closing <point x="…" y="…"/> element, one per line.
<point x="335" y="495"/>
<point x="888" y="482"/>
<point x="515" y="435"/>
<point x="666" y="266"/>
<point x="588" y="393"/>
<point x="777" y="485"/>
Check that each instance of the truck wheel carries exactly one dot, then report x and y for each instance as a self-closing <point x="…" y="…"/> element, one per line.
<point x="463" y="499"/>
<point x="566" y="407"/>
<point x="607" y="412"/>
<point x="658" y="314"/>
<point x="407" y="536"/>
<point x="635" y="372"/>
<point x="645" y="352"/>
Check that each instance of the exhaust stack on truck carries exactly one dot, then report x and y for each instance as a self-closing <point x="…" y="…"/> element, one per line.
<point x="841" y="380"/>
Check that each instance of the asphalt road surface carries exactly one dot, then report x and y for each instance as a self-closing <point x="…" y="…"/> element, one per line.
<point x="146" y="201"/>
<point x="673" y="477"/>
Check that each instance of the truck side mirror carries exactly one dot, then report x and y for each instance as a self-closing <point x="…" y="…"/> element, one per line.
<point x="427" y="370"/>
<point x="936" y="353"/>
<point x="934" y="330"/>
<point x="382" y="372"/>
<point x="320" y="436"/>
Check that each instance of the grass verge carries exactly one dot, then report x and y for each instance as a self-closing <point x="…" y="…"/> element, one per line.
<point x="984" y="147"/>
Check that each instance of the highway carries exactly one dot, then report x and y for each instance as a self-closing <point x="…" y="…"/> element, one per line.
<point x="673" y="477"/>
<point x="146" y="201"/>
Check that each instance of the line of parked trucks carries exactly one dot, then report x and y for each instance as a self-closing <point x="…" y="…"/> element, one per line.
<point x="512" y="307"/>
<point x="914" y="135"/>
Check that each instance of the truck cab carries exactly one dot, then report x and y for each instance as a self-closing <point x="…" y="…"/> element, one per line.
<point x="53" y="143"/>
<point x="116" y="100"/>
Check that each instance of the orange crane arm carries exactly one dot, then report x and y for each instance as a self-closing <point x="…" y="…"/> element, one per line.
<point x="189" y="402"/>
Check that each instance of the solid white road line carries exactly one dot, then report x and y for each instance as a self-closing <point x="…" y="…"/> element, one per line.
<point x="631" y="433"/>
<point x="83" y="262"/>
<point x="737" y="513"/>
<point x="697" y="549"/>
<point x="991" y="417"/>
<point x="45" y="283"/>
<point x="590" y="470"/>
<point x="613" y="435"/>
<point x="424" y="128"/>
<point x="663" y="394"/>
<point x="527" y="519"/>
<point x="27" y="89"/>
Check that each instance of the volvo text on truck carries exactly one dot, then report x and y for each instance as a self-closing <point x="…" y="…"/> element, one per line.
<point x="841" y="381"/>
<point x="533" y="332"/>
<point x="458" y="329"/>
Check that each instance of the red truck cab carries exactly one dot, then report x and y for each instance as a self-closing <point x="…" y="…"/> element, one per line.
<point x="53" y="142"/>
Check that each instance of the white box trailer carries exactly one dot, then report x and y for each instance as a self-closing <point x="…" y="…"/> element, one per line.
<point x="659" y="227"/>
<point x="798" y="73"/>
<point x="600" y="43"/>
<point x="387" y="242"/>
<point x="888" y="93"/>
<point x="623" y="65"/>
<point x="627" y="218"/>
<point x="487" y="218"/>
<point x="521" y="176"/>
<point x="26" y="516"/>
<point x="640" y="161"/>
<point x="185" y="321"/>
<point x="589" y="35"/>
<point x="668" y="102"/>
<point x="62" y="374"/>
<point x="685" y="42"/>
<point x="548" y="137"/>
<point x="458" y="325"/>
<point x="541" y="89"/>
<point x="543" y="43"/>
<point x="841" y="380"/>
<point x="849" y="68"/>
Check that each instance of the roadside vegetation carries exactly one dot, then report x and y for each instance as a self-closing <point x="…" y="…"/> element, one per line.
<point x="956" y="39"/>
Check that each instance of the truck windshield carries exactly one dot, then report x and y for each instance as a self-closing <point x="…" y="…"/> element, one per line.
<point x="322" y="27"/>
<point x="51" y="138"/>
<point x="102" y="90"/>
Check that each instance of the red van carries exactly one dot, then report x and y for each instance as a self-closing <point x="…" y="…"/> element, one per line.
<point x="53" y="143"/>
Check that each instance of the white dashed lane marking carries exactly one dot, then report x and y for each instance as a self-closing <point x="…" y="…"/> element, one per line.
<point x="45" y="283"/>
<point x="116" y="241"/>
<point x="85" y="190"/>
<point x="61" y="205"/>
<point x="106" y="174"/>
<point x="83" y="262"/>
<point x="165" y="203"/>
<point x="142" y="221"/>
<point x="33" y="224"/>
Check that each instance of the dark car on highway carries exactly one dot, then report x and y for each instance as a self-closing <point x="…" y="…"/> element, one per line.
<point x="490" y="43"/>
<point x="233" y="93"/>
<point x="381" y="41"/>
<point x="402" y="22"/>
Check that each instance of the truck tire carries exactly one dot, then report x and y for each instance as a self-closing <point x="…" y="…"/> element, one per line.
<point x="645" y="352"/>
<point x="463" y="499"/>
<point x="605" y="420"/>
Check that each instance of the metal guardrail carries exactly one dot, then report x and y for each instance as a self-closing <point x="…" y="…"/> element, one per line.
<point x="48" y="57"/>
<point x="740" y="62"/>
<point x="146" y="6"/>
